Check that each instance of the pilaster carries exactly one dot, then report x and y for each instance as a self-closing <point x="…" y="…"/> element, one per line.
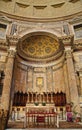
<point x="5" y="99"/>
<point x="72" y="79"/>
<point x="8" y="80"/>
<point x="66" y="83"/>
<point x="80" y="77"/>
<point x="30" y="80"/>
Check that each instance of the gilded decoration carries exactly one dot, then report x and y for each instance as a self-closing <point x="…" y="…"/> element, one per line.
<point x="40" y="46"/>
<point x="39" y="81"/>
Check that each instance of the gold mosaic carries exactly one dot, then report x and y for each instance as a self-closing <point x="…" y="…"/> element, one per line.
<point x="40" y="46"/>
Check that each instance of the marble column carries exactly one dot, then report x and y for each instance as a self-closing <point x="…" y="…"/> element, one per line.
<point x="72" y="80"/>
<point x="49" y="77"/>
<point x="66" y="83"/>
<point x="80" y="77"/>
<point x="8" y="80"/>
<point x="30" y="80"/>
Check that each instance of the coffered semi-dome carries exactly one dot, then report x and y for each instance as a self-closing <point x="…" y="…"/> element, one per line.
<point x="39" y="48"/>
<point x="41" y="9"/>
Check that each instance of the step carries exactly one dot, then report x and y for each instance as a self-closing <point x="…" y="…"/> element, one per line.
<point x="40" y="129"/>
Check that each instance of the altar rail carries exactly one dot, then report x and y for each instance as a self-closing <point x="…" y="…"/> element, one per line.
<point x="41" y="118"/>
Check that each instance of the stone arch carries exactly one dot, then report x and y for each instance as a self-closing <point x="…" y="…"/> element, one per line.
<point x="37" y="33"/>
<point x="29" y="32"/>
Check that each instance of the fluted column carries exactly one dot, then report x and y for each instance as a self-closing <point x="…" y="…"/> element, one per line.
<point x="8" y="80"/>
<point x="72" y="80"/>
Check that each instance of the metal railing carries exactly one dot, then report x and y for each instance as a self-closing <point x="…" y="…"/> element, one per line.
<point x="38" y="119"/>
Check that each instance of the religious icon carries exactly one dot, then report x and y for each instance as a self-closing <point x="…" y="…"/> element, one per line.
<point x="40" y="81"/>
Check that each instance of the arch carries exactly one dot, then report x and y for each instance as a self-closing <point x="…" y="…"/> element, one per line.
<point x="29" y="32"/>
<point x="22" y="53"/>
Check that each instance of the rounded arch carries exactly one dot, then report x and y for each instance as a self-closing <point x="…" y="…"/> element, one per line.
<point x="42" y="56"/>
<point x="29" y="32"/>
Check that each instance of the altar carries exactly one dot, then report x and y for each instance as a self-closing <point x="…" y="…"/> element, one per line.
<point x="41" y="115"/>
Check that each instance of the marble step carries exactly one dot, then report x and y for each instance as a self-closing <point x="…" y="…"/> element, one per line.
<point x="41" y="129"/>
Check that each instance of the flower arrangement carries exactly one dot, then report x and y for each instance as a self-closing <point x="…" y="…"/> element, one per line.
<point x="43" y="104"/>
<point x="36" y="103"/>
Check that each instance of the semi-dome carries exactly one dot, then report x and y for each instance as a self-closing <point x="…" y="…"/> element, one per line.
<point x="39" y="48"/>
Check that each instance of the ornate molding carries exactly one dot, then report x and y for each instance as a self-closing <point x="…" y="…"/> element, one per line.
<point x="37" y="53"/>
<point x="3" y="45"/>
<point x="5" y="19"/>
<point x="12" y="40"/>
<point x="67" y="40"/>
<point x="12" y="16"/>
<point x="77" y="44"/>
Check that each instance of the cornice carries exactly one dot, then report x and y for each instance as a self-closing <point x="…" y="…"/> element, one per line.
<point x="3" y="45"/>
<point x="5" y="19"/>
<point x="77" y="45"/>
<point x="28" y="19"/>
<point x="42" y="64"/>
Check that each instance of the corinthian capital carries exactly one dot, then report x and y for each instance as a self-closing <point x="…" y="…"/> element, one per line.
<point x="12" y="40"/>
<point x="67" y="40"/>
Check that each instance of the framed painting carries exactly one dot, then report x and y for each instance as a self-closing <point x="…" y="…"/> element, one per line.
<point x="39" y="81"/>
